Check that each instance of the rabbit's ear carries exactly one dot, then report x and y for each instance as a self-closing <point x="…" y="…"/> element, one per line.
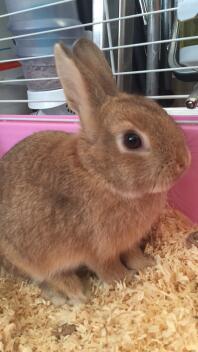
<point x="90" y="55"/>
<point x="83" y="93"/>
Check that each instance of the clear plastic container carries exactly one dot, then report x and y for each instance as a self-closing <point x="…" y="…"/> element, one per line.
<point x="188" y="27"/>
<point x="43" y="44"/>
<point x="54" y="14"/>
<point x="188" y="49"/>
<point x="54" y="17"/>
<point x="49" y="18"/>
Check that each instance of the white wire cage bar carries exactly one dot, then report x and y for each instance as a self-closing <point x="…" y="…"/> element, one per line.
<point x="156" y="97"/>
<point x="98" y="24"/>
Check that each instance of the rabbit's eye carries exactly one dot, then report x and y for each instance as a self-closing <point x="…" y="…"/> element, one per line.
<point x="131" y="140"/>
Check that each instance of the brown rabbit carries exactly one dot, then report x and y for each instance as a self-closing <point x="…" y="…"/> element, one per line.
<point x="88" y="199"/>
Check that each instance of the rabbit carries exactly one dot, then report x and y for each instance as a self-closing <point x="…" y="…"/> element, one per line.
<point x="88" y="199"/>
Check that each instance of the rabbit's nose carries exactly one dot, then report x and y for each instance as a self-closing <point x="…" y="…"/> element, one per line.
<point x="187" y="159"/>
<point x="180" y="167"/>
<point x="184" y="162"/>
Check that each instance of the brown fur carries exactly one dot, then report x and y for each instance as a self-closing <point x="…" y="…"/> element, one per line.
<point x="72" y="200"/>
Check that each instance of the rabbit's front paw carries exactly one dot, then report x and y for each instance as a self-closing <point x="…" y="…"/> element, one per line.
<point x="64" y="288"/>
<point x="112" y="271"/>
<point x="50" y="294"/>
<point x="135" y="259"/>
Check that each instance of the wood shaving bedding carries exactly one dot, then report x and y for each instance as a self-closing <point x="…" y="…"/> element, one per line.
<point x="156" y="312"/>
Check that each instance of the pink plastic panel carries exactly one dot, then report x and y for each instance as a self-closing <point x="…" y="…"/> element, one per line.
<point x="11" y="132"/>
<point x="183" y="196"/>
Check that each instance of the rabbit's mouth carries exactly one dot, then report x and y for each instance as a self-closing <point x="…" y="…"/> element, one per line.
<point x="165" y="186"/>
<point x="162" y="188"/>
<point x="168" y="175"/>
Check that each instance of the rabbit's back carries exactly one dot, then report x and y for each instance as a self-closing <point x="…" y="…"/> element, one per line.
<point x="28" y="158"/>
<point x="36" y="194"/>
